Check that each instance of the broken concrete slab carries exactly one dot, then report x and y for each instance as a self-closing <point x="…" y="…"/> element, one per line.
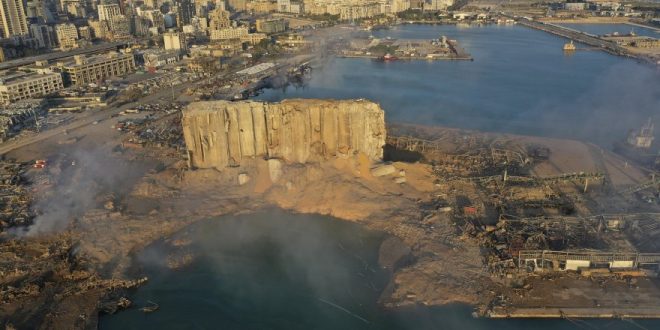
<point x="274" y="169"/>
<point x="243" y="178"/>
<point x="383" y="170"/>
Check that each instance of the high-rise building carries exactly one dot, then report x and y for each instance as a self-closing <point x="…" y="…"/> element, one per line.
<point x="37" y="11"/>
<point x="14" y="23"/>
<point x="100" y="28"/>
<point x="284" y="6"/>
<point x="403" y="5"/>
<point x="170" y="20"/>
<point x="67" y="34"/>
<point x="219" y="19"/>
<point x="73" y="7"/>
<point x="108" y="11"/>
<point x="237" y="5"/>
<point x="185" y="12"/>
<point x="44" y="35"/>
<point x="85" y="32"/>
<point x="439" y="4"/>
<point x="175" y="41"/>
<point x="120" y="26"/>
<point x="220" y="4"/>
<point x="140" y="26"/>
<point x="155" y="17"/>
<point x="153" y="4"/>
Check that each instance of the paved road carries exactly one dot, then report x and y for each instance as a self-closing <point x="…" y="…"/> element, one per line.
<point x="88" y="118"/>
<point x="98" y="115"/>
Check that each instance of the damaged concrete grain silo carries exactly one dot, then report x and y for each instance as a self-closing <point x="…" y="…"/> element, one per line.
<point x="221" y="133"/>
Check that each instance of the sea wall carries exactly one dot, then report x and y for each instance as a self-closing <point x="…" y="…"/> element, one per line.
<point x="222" y="133"/>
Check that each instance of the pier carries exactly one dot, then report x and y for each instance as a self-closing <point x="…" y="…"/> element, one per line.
<point x="581" y="37"/>
<point x="406" y="49"/>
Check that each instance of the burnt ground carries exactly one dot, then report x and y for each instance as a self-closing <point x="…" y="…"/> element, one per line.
<point x="126" y="198"/>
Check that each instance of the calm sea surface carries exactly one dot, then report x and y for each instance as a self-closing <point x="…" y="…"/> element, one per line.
<point x="276" y="270"/>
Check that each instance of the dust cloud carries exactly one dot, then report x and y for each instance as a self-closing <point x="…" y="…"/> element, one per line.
<point x="82" y="180"/>
<point x="622" y="99"/>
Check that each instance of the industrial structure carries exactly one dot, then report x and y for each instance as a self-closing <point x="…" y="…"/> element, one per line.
<point x="642" y="138"/>
<point x="221" y="133"/>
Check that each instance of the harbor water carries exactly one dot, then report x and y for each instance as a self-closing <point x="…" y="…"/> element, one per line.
<point x="276" y="270"/>
<point x="520" y="82"/>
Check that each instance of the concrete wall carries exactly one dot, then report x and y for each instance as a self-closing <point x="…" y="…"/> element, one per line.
<point x="221" y="133"/>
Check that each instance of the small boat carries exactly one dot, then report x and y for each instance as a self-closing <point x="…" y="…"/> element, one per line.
<point x="569" y="46"/>
<point x="388" y="57"/>
<point x="149" y="309"/>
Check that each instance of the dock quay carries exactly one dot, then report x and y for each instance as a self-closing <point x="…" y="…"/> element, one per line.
<point x="251" y="80"/>
<point x="389" y="49"/>
<point x="581" y="37"/>
<point x="568" y="313"/>
<point x="436" y="58"/>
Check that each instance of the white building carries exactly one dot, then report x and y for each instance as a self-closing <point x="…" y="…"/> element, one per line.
<point x="108" y="11"/>
<point x="175" y="41"/>
<point x="575" y="6"/>
<point x="12" y="15"/>
<point x="155" y="59"/>
<point x="284" y="6"/>
<point x="403" y="5"/>
<point x="67" y="34"/>
<point x="253" y="38"/>
<point x="229" y="33"/>
<point x="23" y="86"/>
<point x="439" y="5"/>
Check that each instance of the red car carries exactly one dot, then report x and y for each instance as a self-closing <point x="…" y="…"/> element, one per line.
<point x="40" y="163"/>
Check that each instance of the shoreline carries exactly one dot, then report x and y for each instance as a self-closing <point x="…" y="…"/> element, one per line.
<point x="567" y="313"/>
<point x="372" y="57"/>
<point x="590" y="40"/>
<point x="599" y="22"/>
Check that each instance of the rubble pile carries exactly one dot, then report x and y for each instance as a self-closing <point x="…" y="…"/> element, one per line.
<point x="14" y="196"/>
<point x="20" y="116"/>
<point x="33" y="269"/>
<point x="165" y="132"/>
<point x="484" y="160"/>
<point x="493" y="199"/>
<point x="161" y="128"/>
